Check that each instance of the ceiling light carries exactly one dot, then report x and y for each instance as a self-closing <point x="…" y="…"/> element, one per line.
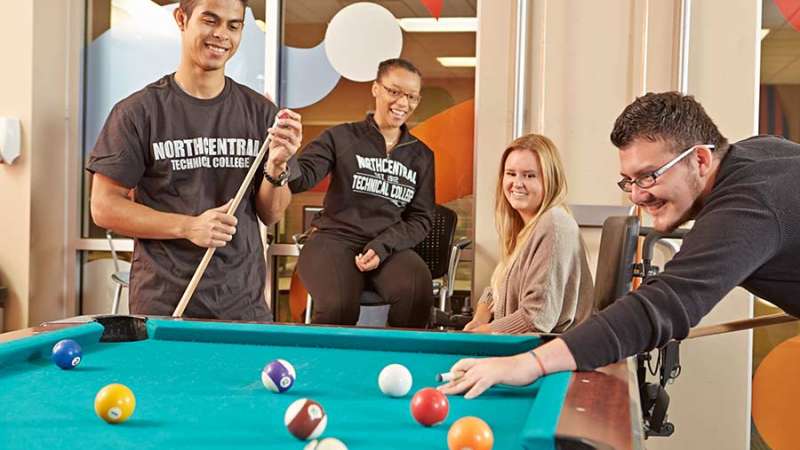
<point x="442" y="25"/>
<point x="457" y="61"/>
<point x="764" y="33"/>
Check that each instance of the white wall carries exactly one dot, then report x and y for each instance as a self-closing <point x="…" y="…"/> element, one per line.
<point x="589" y="59"/>
<point x="34" y="192"/>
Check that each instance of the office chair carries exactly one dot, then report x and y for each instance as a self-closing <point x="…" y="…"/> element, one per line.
<point x="441" y="253"/>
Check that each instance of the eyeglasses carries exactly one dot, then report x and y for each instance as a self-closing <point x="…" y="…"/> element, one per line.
<point x="395" y="94"/>
<point x="648" y="180"/>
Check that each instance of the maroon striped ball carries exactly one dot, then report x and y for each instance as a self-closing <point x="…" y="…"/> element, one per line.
<point x="305" y="419"/>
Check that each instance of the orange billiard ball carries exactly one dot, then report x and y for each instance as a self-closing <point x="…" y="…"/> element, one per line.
<point x="114" y="403"/>
<point x="470" y="433"/>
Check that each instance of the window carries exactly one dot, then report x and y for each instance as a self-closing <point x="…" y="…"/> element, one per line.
<point x="338" y="90"/>
<point x="779" y="114"/>
<point x="129" y="44"/>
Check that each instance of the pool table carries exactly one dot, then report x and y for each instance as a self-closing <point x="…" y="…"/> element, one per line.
<point x="197" y="385"/>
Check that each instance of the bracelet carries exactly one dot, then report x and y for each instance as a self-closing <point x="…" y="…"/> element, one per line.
<point x="282" y="179"/>
<point x="538" y="362"/>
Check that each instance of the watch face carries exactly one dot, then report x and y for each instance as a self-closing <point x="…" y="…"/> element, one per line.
<point x="283" y="178"/>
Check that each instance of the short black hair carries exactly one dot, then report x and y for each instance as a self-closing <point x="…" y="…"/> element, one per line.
<point x="187" y="6"/>
<point x="678" y="119"/>
<point x="385" y="66"/>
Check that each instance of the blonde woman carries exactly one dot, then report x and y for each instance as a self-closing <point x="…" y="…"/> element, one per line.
<point x="542" y="283"/>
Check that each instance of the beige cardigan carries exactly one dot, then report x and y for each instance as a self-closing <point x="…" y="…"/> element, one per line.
<point x="548" y="287"/>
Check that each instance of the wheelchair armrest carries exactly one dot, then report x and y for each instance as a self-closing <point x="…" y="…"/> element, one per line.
<point x="462" y="243"/>
<point x="455" y="256"/>
<point x="300" y="238"/>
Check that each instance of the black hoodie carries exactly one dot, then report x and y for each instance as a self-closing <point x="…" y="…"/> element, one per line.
<point x="383" y="202"/>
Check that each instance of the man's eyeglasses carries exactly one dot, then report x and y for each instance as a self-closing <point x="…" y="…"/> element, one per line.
<point x="648" y="180"/>
<point x="395" y="94"/>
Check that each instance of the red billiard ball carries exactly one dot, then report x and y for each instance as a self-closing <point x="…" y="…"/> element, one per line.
<point x="470" y="433"/>
<point x="429" y="407"/>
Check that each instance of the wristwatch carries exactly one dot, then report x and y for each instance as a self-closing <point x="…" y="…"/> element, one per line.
<point x="282" y="179"/>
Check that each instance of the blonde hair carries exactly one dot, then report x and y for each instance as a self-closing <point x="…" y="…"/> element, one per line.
<point x="513" y="231"/>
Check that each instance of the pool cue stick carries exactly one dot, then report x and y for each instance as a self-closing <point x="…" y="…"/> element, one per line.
<point x="201" y="268"/>
<point x="738" y="325"/>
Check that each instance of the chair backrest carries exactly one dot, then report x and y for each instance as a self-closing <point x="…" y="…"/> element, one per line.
<point x="435" y="249"/>
<point x="615" y="259"/>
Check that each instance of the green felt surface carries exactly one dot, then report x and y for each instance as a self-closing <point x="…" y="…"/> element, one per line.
<point x="197" y="385"/>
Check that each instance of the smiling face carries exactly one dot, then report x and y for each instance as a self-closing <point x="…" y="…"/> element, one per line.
<point x="522" y="183"/>
<point x="211" y="35"/>
<point x="392" y="104"/>
<point x="675" y="197"/>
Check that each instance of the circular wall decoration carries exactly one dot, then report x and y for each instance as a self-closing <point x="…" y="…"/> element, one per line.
<point x="359" y="37"/>
<point x="776" y="395"/>
<point x="307" y="76"/>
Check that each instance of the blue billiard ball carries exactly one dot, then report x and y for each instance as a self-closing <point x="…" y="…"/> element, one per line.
<point x="278" y="376"/>
<point x="67" y="354"/>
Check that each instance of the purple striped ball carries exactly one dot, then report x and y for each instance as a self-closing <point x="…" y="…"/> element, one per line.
<point x="278" y="376"/>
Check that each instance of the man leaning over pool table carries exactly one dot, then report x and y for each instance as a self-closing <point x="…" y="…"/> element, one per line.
<point x="677" y="166"/>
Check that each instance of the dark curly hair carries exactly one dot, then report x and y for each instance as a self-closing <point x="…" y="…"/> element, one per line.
<point x="672" y="117"/>
<point x="385" y="66"/>
<point x="188" y="6"/>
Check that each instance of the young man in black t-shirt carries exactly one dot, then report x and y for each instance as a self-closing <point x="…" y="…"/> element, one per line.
<point x="182" y="147"/>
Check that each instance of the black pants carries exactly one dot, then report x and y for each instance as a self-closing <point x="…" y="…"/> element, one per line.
<point x="328" y="270"/>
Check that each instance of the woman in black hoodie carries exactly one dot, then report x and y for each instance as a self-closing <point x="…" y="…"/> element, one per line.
<point x="378" y="207"/>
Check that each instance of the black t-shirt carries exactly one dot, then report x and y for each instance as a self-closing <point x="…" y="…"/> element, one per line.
<point x="185" y="155"/>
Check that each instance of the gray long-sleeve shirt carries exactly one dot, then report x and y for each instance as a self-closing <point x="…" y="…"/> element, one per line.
<point x="747" y="234"/>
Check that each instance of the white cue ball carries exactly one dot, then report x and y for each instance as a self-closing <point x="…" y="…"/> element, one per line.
<point x="395" y="380"/>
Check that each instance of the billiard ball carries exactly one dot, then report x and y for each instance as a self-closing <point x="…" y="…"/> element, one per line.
<point x="278" y="376"/>
<point x="67" y="354"/>
<point x="305" y="419"/>
<point x="326" y="444"/>
<point x="470" y="433"/>
<point x="429" y="407"/>
<point x="395" y="380"/>
<point x="114" y="403"/>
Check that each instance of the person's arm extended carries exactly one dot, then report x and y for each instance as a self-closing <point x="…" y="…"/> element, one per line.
<point x="286" y="135"/>
<point x="314" y="163"/>
<point x="473" y="376"/>
<point x="715" y="257"/>
<point x="113" y="209"/>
